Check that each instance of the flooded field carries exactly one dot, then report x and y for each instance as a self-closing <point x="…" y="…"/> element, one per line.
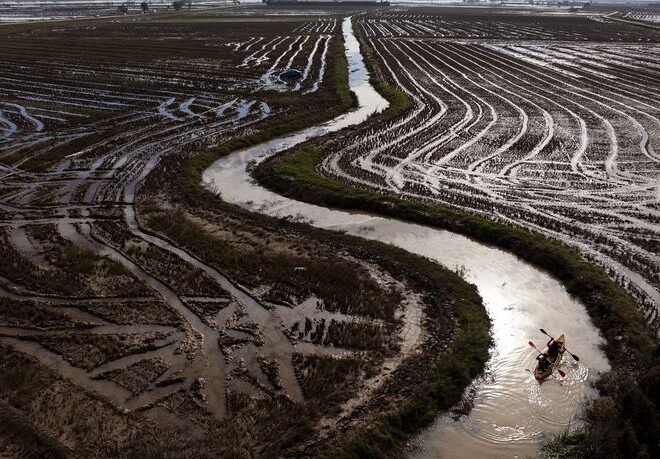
<point x="144" y="312"/>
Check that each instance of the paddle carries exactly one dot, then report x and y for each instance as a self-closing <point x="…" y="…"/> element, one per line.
<point x="541" y="353"/>
<point x="577" y="359"/>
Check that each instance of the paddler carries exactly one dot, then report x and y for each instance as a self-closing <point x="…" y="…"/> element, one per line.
<point x="554" y="348"/>
<point x="544" y="363"/>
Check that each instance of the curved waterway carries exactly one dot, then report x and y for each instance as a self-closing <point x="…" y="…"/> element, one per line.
<point x="512" y="412"/>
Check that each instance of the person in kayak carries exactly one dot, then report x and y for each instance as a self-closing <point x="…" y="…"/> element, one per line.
<point x="545" y="360"/>
<point x="544" y="363"/>
<point x="554" y="348"/>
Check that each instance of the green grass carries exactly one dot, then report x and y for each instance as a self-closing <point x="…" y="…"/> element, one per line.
<point x="567" y="444"/>
<point x="400" y="103"/>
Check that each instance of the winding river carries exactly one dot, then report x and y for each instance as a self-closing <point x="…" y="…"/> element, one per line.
<point x="512" y="412"/>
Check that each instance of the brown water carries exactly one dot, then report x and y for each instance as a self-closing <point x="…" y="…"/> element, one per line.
<point x="512" y="411"/>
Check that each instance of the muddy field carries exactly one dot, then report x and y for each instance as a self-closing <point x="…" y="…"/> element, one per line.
<point x="139" y="315"/>
<point x="547" y="121"/>
<point x="133" y="318"/>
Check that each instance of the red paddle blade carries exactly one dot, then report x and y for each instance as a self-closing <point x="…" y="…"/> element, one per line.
<point x="531" y="344"/>
<point x="563" y="375"/>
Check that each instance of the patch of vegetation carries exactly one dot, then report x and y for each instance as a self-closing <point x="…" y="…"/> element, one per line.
<point x="75" y="259"/>
<point x="88" y="351"/>
<point x="30" y="314"/>
<point x="625" y="421"/>
<point x="163" y="264"/>
<point x="567" y="444"/>
<point x="342" y="284"/>
<point x="328" y="380"/>
<point x="400" y="103"/>
<point x="263" y="428"/>
<point x="207" y="310"/>
<point x="133" y="312"/>
<point x="20" y="377"/>
<point x="44" y="158"/>
<point x="82" y="424"/>
<point x="73" y="271"/>
<point x="138" y="376"/>
<point x="354" y="335"/>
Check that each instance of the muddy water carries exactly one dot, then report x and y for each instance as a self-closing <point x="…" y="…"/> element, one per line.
<point x="512" y="411"/>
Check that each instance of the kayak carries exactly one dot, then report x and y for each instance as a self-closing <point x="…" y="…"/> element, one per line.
<point x="541" y="375"/>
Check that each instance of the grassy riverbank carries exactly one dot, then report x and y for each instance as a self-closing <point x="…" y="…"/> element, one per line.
<point x="444" y="387"/>
<point x="631" y="346"/>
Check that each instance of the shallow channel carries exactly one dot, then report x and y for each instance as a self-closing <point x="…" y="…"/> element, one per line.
<point x="512" y="412"/>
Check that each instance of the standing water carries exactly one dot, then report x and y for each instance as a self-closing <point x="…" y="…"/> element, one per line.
<point x="512" y="411"/>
